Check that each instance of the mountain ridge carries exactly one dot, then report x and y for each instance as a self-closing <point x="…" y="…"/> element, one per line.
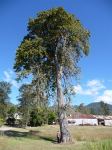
<point x="96" y="107"/>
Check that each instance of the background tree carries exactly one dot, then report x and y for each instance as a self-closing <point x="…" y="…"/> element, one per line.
<point x="25" y="103"/>
<point x="104" y="109"/>
<point x="92" y="111"/>
<point x="83" y="109"/>
<point x="5" y="90"/>
<point x="51" y="50"/>
<point x="12" y="110"/>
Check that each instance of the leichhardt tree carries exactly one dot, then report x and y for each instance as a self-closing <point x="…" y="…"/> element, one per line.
<point x="51" y="50"/>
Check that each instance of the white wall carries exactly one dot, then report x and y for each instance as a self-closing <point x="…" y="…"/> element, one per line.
<point x="108" y="122"/>
<point x="83" y="121"/>
<point x="17" y="116"/>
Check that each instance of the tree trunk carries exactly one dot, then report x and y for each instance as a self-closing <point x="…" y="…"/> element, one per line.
<point x="63" y="123"/>
<point x="64" y="133"/>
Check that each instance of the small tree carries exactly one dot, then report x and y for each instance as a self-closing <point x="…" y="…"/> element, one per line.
<point x="50" y="51"/>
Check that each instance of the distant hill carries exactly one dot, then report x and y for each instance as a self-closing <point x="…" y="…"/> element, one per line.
<point x="95" y="107"/>
<point x="92" y="108"/>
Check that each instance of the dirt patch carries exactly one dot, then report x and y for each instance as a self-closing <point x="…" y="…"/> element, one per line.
<point x="4" y="128"/>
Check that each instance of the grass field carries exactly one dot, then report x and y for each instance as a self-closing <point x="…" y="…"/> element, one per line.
<point x="43" y="138"/>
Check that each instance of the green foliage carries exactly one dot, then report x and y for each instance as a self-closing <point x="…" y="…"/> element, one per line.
<point x="38" y="117"/>
<point x="34" y="112"/>
<point x="83" y="109"/>
<point x="12" y="110"/>
<point x="25" y="102"/>
<point x="41" y="116"/>
<point x="52" y="117"/>
<point x="29" y="54"/>
<point x="36" y="53"/>
<point x="1" y="121"/>
<point x="104" y="109"/>
<point x="92" y="111"/>
<point x="5" y="90"/>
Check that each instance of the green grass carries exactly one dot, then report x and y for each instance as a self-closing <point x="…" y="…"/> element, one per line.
<point x="100" y="145"/>
<point x="43" y="138"/>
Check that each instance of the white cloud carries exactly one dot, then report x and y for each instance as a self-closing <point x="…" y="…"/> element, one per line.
<point x="96" y="84"/>
<point x="9" y="77"/>
<point x="106" y="97"/>
<point x="79" y="90"/>
<point x="92" y="88"/>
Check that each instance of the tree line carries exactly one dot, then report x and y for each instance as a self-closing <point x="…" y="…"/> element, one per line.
<point x="36" y="114"/>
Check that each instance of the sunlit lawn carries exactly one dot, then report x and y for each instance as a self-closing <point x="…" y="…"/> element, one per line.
<point x="44" y="138"/>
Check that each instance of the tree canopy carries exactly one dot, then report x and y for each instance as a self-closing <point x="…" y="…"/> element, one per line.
<point x="38" y="48"/>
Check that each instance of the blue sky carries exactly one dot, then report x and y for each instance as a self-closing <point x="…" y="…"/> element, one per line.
<point x="95" y="15"/>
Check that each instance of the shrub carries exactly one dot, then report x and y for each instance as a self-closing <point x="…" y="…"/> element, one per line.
<point x="38" y="117"/>
<point x="52" y="117"/>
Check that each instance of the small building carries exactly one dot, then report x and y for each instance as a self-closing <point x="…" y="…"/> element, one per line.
<point x="104" y="120"/>
<point x="82" y="119"/>
<point x="17" y="116"/>
<point x="108" y="122"/>
<point x="89" y="119"/>
<point x="14" y="120"/>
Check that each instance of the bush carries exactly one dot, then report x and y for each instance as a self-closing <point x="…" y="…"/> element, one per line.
<point x="41" y="116"/>
<point x="38" y="117"/>
<point x="52" y="117"/>
<point x="10" y="121"/>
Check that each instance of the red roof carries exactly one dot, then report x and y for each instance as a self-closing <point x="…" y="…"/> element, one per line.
<point x="81" y="116"/>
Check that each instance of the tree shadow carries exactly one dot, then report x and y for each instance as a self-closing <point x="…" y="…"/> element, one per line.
<point x="50" y="139"/>
<point x="11" y="133"/>
<point x="34" y="135"/>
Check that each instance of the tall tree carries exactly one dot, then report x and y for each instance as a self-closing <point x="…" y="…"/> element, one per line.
<point x="55" y="42"/>
<point x="5" y="90"/>
<point x="25" y="102"/>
